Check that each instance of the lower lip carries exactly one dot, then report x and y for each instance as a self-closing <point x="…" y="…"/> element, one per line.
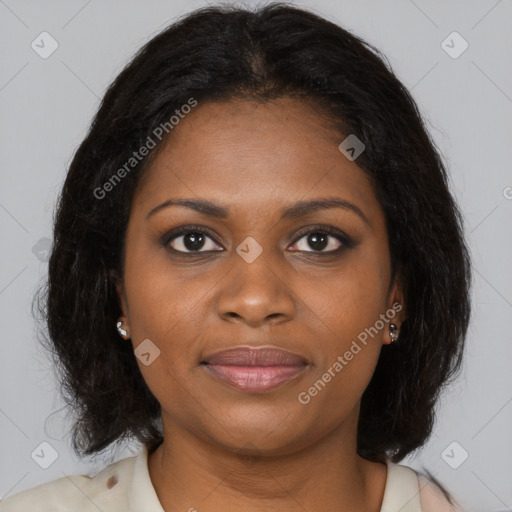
<point x="254" y="379"/>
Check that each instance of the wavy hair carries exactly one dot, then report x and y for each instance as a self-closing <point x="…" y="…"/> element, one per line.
<point x="219" y="53"/>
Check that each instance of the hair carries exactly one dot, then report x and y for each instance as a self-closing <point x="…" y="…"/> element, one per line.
<point x="221" y="53"/>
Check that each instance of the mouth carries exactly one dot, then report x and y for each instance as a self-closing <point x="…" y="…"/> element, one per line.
<point x="254" y="370"/>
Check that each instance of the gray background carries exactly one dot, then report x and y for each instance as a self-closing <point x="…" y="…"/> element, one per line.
<point x="47" y="105"/>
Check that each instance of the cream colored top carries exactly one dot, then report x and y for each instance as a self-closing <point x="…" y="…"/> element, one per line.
<point x="125" y="486"/>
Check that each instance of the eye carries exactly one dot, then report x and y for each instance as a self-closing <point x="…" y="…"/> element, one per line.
<point x="190" y="240"/>
<point x="322" y="238"/>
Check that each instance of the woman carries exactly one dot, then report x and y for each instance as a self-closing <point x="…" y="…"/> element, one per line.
<point x="259" y="273"/>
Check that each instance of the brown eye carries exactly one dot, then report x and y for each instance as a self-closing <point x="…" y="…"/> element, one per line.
<point x="190" y="240"/>
<point x="322" y="240"/>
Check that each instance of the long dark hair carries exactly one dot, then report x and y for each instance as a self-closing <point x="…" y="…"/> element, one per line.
<point x="215" y="54"/>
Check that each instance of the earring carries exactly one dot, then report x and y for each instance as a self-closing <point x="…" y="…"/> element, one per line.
<point x="122" y="332"/>
<point x="393" y="332"/>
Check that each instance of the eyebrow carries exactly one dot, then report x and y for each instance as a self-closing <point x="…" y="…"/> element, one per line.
<point x="294" y="211"/>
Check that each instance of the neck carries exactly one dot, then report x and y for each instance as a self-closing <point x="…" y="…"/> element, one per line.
<point x="191" y="473"/>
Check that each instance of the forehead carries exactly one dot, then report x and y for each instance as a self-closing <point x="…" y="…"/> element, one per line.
<point x="254" y="156"/>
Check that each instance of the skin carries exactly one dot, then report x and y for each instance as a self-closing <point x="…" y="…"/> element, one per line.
<point x="223" y="446"/>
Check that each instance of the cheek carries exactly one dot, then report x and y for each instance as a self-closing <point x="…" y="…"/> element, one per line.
<point x="163" y="298"/>
<point x="163" y="309"/>
<point x="356" y="296"/>
<point x="160" y="310"/>
<point x="349" y="308"/>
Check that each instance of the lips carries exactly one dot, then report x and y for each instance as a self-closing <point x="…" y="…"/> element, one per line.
<point x="254" y="370"/>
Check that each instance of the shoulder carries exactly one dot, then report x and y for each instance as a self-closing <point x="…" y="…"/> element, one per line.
<point x="434" y="498"/>
<point x="409" y="490"/>
<point x="76" y="492"/>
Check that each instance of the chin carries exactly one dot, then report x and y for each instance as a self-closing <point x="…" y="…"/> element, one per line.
<point x="266" y="431"/>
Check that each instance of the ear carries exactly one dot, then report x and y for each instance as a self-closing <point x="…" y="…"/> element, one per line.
<point x="396" y="308"/>
<point x="121" y="295"/>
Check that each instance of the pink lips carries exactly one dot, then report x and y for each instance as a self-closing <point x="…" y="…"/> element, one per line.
<point x="255" y="370"/>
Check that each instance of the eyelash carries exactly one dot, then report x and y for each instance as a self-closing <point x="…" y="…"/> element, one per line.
<point x="345" y="240"/>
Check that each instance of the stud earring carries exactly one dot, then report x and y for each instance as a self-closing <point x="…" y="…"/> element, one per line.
<point x="122" y="332"/>
<point x="393" y="332"/>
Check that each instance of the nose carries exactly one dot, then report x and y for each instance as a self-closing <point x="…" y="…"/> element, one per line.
<point x="256" y="294"/>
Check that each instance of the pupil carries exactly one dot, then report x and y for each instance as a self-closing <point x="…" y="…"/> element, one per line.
<point x="193" y="241"/>
<point x="317" y="241"/>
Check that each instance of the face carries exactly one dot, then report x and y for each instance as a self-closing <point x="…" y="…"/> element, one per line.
<point x="314" y="282"/>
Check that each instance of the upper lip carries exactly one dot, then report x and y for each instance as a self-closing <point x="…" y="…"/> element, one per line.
<point x="255" y="356"/>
